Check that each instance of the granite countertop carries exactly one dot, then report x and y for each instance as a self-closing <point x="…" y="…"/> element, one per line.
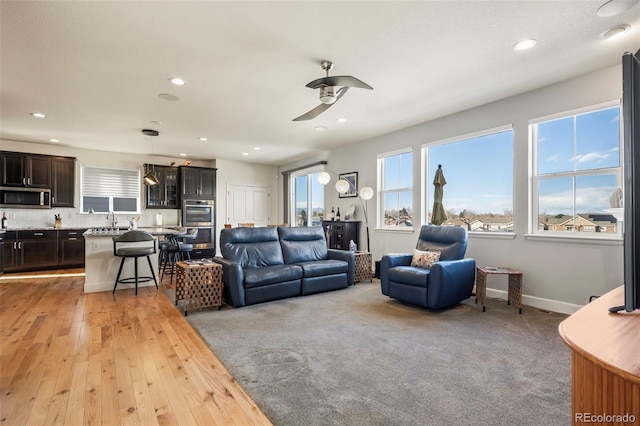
<point x="109" y="232"/>
<point x="45" y="228"/>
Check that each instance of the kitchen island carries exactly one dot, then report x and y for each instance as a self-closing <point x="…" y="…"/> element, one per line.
<point x="101" y="266"/>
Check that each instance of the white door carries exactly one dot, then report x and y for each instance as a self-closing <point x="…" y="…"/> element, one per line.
<point x="248" y="204"/>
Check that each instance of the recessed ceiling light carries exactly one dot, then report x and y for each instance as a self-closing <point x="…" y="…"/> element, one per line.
<point x="177" y="81"/>
<point x="203" y="139"/>
<point x="183" y="154"/>
<point x="54" y="140"/>
<point x="341" y="120"/>
<point x="245" y="153"/>
<point x="615" y="32"/>
<point x="256" y="148"/>
<point x="38" y="115"/>
<point x="320" y="128"/>
<point x="155" y="122"/>
<point x="168" y="97"/>
<point x="525" y="44"/>
<point x="615" y="7"/>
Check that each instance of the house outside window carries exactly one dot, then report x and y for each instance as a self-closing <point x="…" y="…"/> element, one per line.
<point x="395" y="185"/>
<point x="576" y="172"/>
<point x="109" y="190"/>
<point x="478" y="168"/>
<point x="306" y="198"/>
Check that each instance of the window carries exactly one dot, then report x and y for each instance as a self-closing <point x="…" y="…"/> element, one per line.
<point x="478" y="169"/>
<point x="105" y="190"/>
<point x="308" y="198"/>
<point x="395" y="180"/>
<point x="576" y="169"/>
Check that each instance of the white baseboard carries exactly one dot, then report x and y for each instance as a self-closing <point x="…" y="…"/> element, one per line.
<point x="538" y="302"/>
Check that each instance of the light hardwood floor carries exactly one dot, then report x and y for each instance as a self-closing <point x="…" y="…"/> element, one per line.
<point x="71" y="358"/>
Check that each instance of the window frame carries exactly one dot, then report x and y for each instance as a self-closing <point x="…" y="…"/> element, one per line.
<point x="535" y="178"/>
<point x="137" y="183"/>
<point x="426" y="176"/>
<point x="380" y="191"/>
<point x="292" y="193"/>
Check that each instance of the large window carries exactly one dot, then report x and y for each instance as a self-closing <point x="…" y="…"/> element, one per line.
<point x="478" y="170"/>
<point x="308" y="199"/>
<point x="576" y="170"/>
<point x="110" y="190"/>
<point x="395" y="181"/>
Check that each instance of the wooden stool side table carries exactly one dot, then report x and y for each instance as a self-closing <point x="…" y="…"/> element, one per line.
<point x="200" y="285"/>
<point x="363" y="267"/>
<point x="514" y="294"/>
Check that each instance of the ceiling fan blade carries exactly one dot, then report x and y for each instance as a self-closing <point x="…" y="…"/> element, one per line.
<point x="321" y="108"/>
<point x="339" y="80"/>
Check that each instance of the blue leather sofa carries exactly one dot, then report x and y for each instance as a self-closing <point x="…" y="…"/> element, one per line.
<point x="264" y="264"/>
<point x="447" y="283"/>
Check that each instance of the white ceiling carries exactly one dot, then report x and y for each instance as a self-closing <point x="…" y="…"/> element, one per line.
<point x="96" y="68"/>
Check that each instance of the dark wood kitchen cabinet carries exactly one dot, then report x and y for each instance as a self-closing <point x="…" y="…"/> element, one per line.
<point x="339" y="233"/>
<point x="30" y="250"/>
<point x="63" y="181"/>
<point x="28" y="170"/>
<point x="164" y="195"/>
<point x="198" y="183"/>
<point x="71" y="247"/>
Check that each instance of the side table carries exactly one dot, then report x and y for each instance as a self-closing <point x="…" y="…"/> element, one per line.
<point x="199" y="284"/>
<point x="363" y="267"/>
<point x="515" y="285"/>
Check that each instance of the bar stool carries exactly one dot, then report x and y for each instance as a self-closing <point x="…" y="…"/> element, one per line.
<point x="129" y="237"/>
<point x="176" y="250"/>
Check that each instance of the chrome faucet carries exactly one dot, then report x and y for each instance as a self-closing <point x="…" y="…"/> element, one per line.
<point x="114" y="221"/>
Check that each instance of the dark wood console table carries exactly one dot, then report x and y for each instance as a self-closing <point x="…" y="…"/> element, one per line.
<point x="605" y="360"/>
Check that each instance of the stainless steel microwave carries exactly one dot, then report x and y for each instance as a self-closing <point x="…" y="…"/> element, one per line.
<point x="25" y="198"/>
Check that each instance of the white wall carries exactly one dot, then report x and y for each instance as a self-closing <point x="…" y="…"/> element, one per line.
<point x="237" y="173"/>
<point x="558" y="275"/>
<point x="228" y="172"/>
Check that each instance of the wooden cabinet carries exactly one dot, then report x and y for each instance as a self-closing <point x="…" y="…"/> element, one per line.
<point x="198" y="182"/>
<point x="63" y="181"/>
<point x="30" y="250"/>
<point x="71" y="247"/>
<point x="339" y="233"/>
<point x="28" y="170"/>
<point x="165" y="194"/>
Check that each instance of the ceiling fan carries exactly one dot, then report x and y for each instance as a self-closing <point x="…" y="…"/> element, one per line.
<point x="331" y="90"/>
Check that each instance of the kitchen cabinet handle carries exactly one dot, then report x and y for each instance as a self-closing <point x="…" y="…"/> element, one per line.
<point x="73" y="233"/>
<point x="24" y="181"/>
<point x="70" y="239"/>
<point x="38" y="234"/>
<point x="28" y="181"/>
<point x="19" y="245"/>
<point x="14" y="245"/>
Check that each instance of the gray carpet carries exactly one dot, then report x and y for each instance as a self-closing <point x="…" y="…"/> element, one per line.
<point x="355" y="357"/>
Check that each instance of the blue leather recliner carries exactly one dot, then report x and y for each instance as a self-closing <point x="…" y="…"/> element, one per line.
<point x="447" y="283"/>
<point x="264" y="264"/>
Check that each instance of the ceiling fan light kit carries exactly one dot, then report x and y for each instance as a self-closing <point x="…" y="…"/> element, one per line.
<point x="331" y="90"/>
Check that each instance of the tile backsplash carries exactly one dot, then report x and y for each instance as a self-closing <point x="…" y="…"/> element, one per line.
<point x="71" y="218"/>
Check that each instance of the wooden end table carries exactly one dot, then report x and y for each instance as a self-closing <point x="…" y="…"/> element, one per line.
<point x="363" y="267"/>
<point x="199" y="284"/>
<point x="515" y="285"/>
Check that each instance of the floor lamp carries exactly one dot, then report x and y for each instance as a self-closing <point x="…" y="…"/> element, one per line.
<point x="342" y="186"/>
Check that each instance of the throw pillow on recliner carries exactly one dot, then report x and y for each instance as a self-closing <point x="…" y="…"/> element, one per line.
<point x="424" y="259"/>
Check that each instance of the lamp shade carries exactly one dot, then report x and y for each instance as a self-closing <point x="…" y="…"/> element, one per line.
<point x="150" y="179"/>
<point x="323" y="178"/>
<point x="342" y="186"/>
<point x="366" y="193"/>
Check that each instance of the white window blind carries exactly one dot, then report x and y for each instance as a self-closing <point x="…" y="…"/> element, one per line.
<point x="105" y="190"/>
<point x="98" y="182"/>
